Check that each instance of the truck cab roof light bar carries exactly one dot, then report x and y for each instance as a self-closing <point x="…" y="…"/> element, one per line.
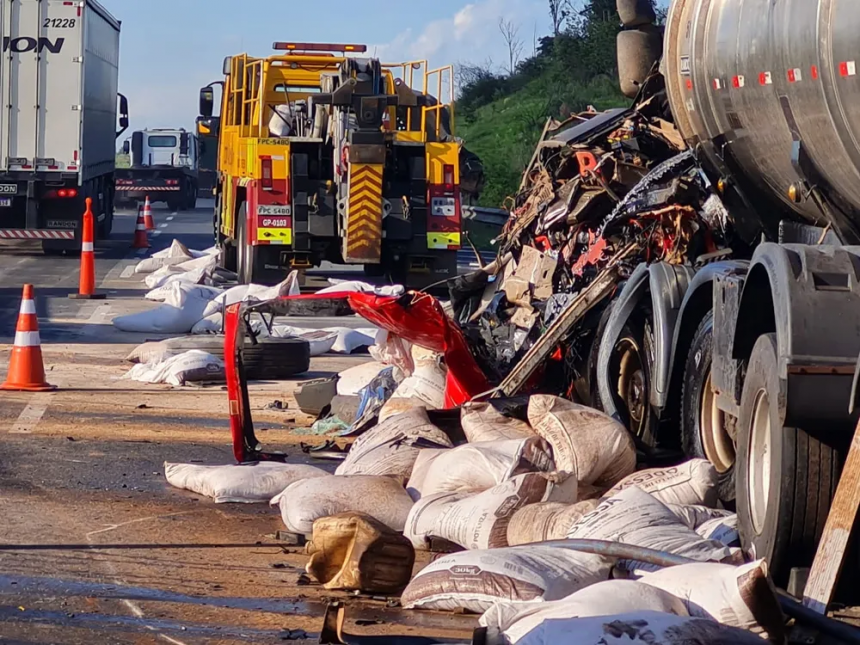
<point x="319" y="47"/>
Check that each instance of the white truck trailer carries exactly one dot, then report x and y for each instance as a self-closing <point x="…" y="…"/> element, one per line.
<point x="164" y="167"/>
<point x="59" y="79"/>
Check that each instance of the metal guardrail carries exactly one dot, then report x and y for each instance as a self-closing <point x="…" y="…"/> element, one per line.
<point x="491" y="216"/>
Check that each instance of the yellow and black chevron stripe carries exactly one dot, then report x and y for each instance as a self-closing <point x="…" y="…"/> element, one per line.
<point x="364" y="219"/>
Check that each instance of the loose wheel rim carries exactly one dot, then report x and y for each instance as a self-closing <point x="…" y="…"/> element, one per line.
<point x="716" y="441"/>
<point x="632" y="384"/>
<point x="759" y="463"/>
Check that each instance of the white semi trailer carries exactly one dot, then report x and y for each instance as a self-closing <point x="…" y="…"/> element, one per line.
<point x="58" y="127"/>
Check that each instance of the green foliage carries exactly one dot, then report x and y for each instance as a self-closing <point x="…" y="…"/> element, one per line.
<point x="123" y="160"/>
<point x="501" y="117"/>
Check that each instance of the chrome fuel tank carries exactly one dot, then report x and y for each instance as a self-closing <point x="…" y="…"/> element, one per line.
<point x="755" y="77"/>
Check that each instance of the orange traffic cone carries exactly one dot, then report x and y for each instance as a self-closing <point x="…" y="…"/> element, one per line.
<point x="87" y="285"/>
<point x="140" y="239"/>
<point x="26" y="370"/>
<point x="147" y="215"/>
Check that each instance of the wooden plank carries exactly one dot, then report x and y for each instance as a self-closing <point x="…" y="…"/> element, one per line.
<point x="837" y="532"/>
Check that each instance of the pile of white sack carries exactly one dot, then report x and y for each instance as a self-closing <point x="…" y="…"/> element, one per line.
<point x="509" y="498"/>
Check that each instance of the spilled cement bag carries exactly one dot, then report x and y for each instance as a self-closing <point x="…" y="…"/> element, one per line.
<point x="478" y="521"/>
<point x="694" y="515"/>
<point x="588" y="443"/>
<point x="304" y="502"/>
<point x="637" y="628"/>
<point x="170" y="292"/>
<point x="176" y="253"/>
<point x="392" y="407"/>
<point x="634" y="517"/>
<point x="512" y="621"/>
<point x="151" y="352"/>
<point x="180" y="312"/>
<point x="475" y="580"/>
<point x="352" y="551"/>
<point x="482" y="422"/>
<point x="354" y="379"/>
<point x="254" y="292"/>
<point x="391" y="447"/>
<point x="740" y="596"/>
<point x="350" y="340"/>
<point x="425" y="386"/>
<point x="693" y="482"/>
<point x="342" y="286"/>
<point x="721" y="529"/>
<point x="248" y="483"/>
<point x="189" y="367"/>
<point x="176" y="249"/>
<point x="546" y="521"/>
<point x="211" y="324"/>
<point x="476" y="467"/>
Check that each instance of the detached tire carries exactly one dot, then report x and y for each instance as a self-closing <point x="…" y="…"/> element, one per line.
<point x="638" y="50"/>
<point x="704" y="433"/>
<point x="276" y="358"/>
<point x="634" y="13"/>
<point x="785" y="478"/>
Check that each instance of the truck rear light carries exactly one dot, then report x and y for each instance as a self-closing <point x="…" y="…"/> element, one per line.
<point x="171" y="182"/>
<point x="266" y="175"/>
<point x="67" y="192"/>
<point x="448" y="178"/>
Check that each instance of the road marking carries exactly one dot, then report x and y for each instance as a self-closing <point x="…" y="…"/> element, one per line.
<point x="162" y="226"/>
<point x="32" y="414"/>
<point x="127" y="272"/>
<point x="156" y="233"/>
<point x="170" y="218"/>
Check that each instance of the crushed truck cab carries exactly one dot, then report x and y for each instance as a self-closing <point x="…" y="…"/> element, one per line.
<point x="325" y="156"/>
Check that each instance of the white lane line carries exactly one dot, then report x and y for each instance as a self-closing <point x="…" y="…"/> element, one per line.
<point x="142" y="251"/>
<point x="162" y="226"/>
<point x="127" y="272"/>
<point x="32" y="414"/>
<point x="156" y="233"/>
<point x="174" y="213"/>
<point x="170" y="218"/>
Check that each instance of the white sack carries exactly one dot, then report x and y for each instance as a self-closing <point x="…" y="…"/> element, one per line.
<point x="515" y="620"/>
<point x="152" y="264"/>
<point x="176" y="318"/>
<point x="546" y="521"/>
<point x="204" y="262"/>
<point x="170" y="292"/>
<point x="721" y="529"/>
<point x="476" y="467"/>
<point x="188" y="367"/>
<point x="151" y="352"/>
<point x="356" y="286"/>
<point x="586" y="442"/>
<point x="160" y="276"/>
<point x="634" y="517"/>
<point x="248" y="483"/>
<point x="475" y="580"/>
<point x="482" y="422"/>
<point x="320" y="341"/>
<point x="354" y="379"/>
<point x="426" y="385"/>
<point x="637" y="628"/>
<point x="254" y="292"/>
<point x="383" y="498"/>
<point x="211" y="324"/>
<point x="176" y="249"/>
<point x="391" y="447"/>
<point x="391" y="349"/>
<point x="349" y="340"/>
<point x="728" y="594"/>
<point x="693" y="482"/>
<point x="480" y="520"/>
<point x="694" y="515"/>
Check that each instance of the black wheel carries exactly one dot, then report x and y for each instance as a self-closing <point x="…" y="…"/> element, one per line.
<point x="276" y="358"/>
<point x="374" y="270"/>
<point x="630" y="373"/>
<point x="228" y="255"/>
<point x="175" y="204"/>
<point x="785" y="478"/>
<point x="705" y="430"/>
<point x="192" y="196"/>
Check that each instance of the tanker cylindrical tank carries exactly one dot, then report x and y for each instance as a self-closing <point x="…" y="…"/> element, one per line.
<point x="757" y="77"/>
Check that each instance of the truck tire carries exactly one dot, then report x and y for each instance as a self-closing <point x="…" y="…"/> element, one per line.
<point x="638" y="50"/>
<point x="785" y="477"/>
<point x="635" y="13"/>
<point x="704" y="431"/>
<point x="276" y="358"/>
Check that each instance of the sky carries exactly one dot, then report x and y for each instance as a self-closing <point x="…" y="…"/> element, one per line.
<point x="172" y="48"/>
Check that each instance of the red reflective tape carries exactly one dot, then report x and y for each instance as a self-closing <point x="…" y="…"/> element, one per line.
<point x="718" y="84"/>
<point x="765" y="78"/>
<point x="689" y="84"/>
<point x="795" y="75"/>
<point x="814" y="72"/>
<point x="738" y="82"/>
<point x="848" y="68"/>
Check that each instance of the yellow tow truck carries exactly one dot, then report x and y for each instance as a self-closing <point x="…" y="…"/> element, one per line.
<point x="324" y="155"/>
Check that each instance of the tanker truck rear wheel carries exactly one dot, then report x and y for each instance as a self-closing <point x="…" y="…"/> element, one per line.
<point x="785" y="477"/>
<point x="704" y="427"/>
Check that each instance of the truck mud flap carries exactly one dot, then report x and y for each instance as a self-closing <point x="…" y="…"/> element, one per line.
<point x="363" y="239"/>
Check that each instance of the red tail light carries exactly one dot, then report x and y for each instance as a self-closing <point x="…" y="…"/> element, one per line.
<point x="266" y="173"/>
<point x="67" y="192"/>
<point x="448" y="178"/>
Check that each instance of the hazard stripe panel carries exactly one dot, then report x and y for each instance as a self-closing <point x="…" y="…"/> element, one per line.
<point x="34" y="234"/>
<point x="363" y="241"/>
<point x="150" y="188"/>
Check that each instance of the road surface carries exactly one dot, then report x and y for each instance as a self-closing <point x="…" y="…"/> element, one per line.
<point x="96" y="547"/>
